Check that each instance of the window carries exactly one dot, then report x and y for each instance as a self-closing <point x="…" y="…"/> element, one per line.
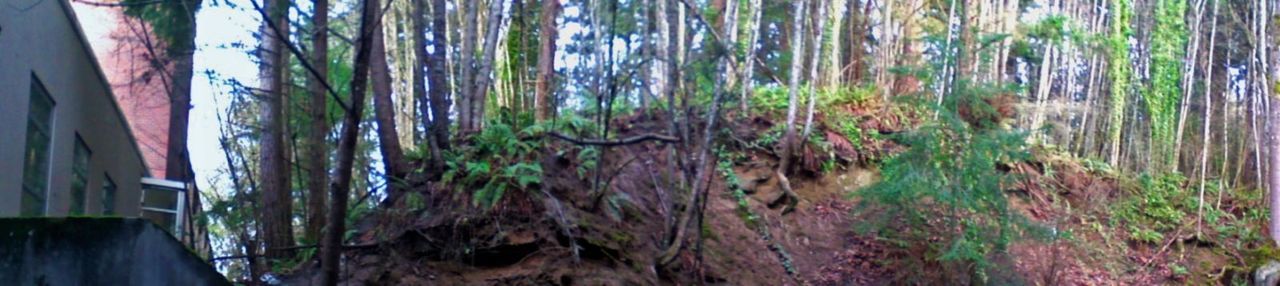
<point x="163" y="203"/>
<point x="79" y="176"/>
<point x="35" y="179"/>
<point x="108" y="195"/>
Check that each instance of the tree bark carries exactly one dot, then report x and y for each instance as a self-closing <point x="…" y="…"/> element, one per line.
<point x="331" y="245"/>
<point x="748" y="63"/>
<point x="816" y="59"/>
<point x="177" y="160"/>
<point x="317" y="151"/>
<point x="467" y="62"/>
<point x="275" y="213"/>
<point x="545" y="107"/>
<point x="793" y="101"/>
<point x="384" y="112"/>
<point x="418" y="20"/>
<point x="439" y="78"/>
<point x="484" y="76"/>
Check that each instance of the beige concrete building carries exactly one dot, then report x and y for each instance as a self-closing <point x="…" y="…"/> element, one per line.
<point x="65" y="146"/>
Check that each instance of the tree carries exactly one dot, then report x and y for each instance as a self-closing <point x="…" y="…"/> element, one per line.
<point x="440" y="88"/>
<point x="545" y="106"/>
<point x="816" y="59"/>
<point x="331" y="245"/>
<point x="181" y="50"/>
<point x="752" y="28"/>
<point x="1119" y="73"/>
<point x="317" y="151"/>
<point x="276" y="213"/>
<point x="484" y="76"/>
<point x="788" y="145"/>
<point x="384" y="114"/>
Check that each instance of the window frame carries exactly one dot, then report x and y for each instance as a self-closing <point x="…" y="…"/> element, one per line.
<point x="108" y="196"/>
<point x="180" y="201"/>
<point x="80" y="164"/>
<point x="41" y="196"/>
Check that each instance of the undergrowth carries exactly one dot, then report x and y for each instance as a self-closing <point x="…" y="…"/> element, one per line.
<point x="944" y="193"/>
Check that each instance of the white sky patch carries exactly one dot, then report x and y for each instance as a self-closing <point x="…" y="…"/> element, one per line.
<point x="219" y="27"/>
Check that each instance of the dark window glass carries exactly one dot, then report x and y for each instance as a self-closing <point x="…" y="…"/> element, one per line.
<point x="79" y="176"/>
<point x="162" y="205"/>
<point x="108" y="195"/>
<point x="35" y="179"/>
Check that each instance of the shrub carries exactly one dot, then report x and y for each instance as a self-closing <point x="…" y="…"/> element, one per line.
<point x="945" y="191"/>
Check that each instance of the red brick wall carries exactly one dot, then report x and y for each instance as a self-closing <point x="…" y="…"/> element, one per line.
<point x="121" y="46"/>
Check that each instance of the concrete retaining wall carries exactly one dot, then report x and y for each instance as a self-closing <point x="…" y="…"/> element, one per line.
<point x="97" y="251"/>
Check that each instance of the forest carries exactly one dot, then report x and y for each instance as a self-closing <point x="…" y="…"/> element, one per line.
<point x="731" y="142"/>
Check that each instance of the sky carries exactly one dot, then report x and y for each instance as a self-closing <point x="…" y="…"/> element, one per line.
<point x="218" y="28"/>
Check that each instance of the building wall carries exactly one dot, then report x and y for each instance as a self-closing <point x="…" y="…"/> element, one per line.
<point x="97" y="251"/>
<point x="127" y="51"/>
<point x="43" y="38"/>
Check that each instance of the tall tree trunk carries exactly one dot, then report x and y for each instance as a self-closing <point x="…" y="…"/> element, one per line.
<point x="815" y="60"/>
<point x="752" y="29"/>
<point x="1188" y="76"/>
<point x="384" y="113"/>
<point x="831" y="42"/>
<point x="1273" y="173"/>
<point x="331" y="246"/>
<point x="793" y="100"/>
<point x="1119" y="68"/>
<point x="317" y="145"/>
<point x="467" y="62"/>
<point x="439" y="77"/>
<point x="418" y="19"/>
<point x="275" y="213"/>
<point x="484" y="76"/>
<point x="1208" y="107"/>
<point x="177" y="160"/>
<point x="546" y="60"/>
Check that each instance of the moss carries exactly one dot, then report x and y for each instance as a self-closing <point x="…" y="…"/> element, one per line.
<point x="622" y="238"/>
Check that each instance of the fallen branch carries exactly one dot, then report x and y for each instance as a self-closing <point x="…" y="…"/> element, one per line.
<point x="610" y="143"/>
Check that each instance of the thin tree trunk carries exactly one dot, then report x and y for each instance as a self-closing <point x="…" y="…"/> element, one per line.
<point x="1189" y="75"/>
<point x="332" y="243"/>
<point x="484" y="77"/>
<point x="420" y="63"/>
<point x="793" y="100"/>
<point x="748" y="63"/>
<point x="275" y="213"/>
<point x="384" y="113"/>
<point x="816" y="58"/>
<point x="1208" y="113"/>
<point x="546" y="60"/>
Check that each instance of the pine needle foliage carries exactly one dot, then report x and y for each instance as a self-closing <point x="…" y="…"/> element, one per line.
<point x="945" y="193"/>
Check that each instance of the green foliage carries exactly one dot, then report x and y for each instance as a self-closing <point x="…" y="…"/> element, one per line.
<point x="1096" y="166"/>
<point x="171" y="21"/>
<point x="498" y="160"/>
<point x="1119" y="69"/>
<point x="776" y="98"/>
<point x="771" y="98"/>
<point x="1168" y="44"/>
<point x="945" y="189"/>
<point x="1160" y="206"/>
<point x="770" y="137"/>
